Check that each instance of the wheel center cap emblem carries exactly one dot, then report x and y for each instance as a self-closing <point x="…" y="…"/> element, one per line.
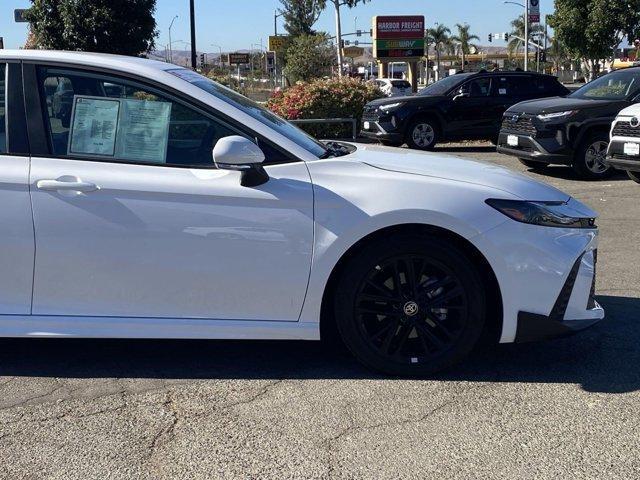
<point x="410" y="309"/>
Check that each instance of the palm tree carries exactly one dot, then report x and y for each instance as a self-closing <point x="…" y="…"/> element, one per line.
<point x="463" y="39"/>
<point x="518" y="28"/>
<point x="439" y="36"/>
<point x="558" y="54"/>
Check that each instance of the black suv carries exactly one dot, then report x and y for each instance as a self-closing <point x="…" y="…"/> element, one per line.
<point x="465" y="106"/>
<point x="573" y="130"/>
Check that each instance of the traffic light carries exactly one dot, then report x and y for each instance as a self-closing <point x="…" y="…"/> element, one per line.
<point x="490" y="37"/>
<point x="506" y="37"/>
<point x="202" y="59"/>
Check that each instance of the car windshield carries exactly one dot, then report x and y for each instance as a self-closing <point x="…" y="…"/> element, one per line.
<point x="441" y="87"/>
<point x="613" y="86"/>
<point x="251" y="108"/>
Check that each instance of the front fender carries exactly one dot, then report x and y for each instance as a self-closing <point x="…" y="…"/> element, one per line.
<point x="362" y="200"/>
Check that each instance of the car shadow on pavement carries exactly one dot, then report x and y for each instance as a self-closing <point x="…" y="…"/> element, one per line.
<point x="605" y="358"/>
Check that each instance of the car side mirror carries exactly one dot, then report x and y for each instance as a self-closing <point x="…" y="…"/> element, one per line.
<point x="241" y="154"/>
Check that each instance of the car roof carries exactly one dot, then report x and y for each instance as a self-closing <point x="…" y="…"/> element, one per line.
<point x="104" y="60"/>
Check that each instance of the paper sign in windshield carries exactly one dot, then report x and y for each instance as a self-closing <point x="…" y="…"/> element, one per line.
<point x="128" y="129"/>
<point x="94" y="126"/>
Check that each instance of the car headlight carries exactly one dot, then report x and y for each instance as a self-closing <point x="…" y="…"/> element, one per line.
<point x="547" y="214"/>
<point x="555" y="115"/>
<point x="390" y="106"/>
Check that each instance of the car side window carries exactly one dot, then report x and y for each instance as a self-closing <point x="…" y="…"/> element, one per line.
<point x="3" y="109"/>
<point x="519" y="85"/>
<point x="97" y="117"/>
<point x="479" y="87"/>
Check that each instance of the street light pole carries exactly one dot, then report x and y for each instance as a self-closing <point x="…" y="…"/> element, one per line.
<point x="170" y="50"/>
<point x="526" y="30"/>
<point x="220" y="57"/>
<point x="194" y="61"/>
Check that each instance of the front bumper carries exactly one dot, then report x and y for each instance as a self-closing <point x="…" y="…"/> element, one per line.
<point x="532" y="149"/>
<point x="617" y="158"/>
<point x="381" y="130"/>
<point x="546" y="277"/>
<point x="532" y="326"/>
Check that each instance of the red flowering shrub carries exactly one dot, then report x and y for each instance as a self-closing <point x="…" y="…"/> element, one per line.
<point x="332" y="98"/>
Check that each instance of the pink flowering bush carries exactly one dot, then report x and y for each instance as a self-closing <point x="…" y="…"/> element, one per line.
<point x="331" y="98"/>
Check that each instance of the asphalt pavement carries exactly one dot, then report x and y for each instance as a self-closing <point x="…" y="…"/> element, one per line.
<point x="566" y="408"/>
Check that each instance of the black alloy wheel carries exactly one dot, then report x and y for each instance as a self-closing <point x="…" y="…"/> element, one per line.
<point x="414" y="310"/>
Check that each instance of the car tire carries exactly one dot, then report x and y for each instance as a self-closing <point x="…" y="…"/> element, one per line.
<point x="533" y="165"/>
<point x="422" y="134"/>
<point x="635" y="176"/>
<point x="588" y="161"/>
<point x="428" y="321"/>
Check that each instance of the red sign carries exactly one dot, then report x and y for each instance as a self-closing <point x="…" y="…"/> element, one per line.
<point x="398" y="27"/>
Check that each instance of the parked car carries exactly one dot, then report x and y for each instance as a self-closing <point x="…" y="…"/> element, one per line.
<point x="173" y="207"/>
<point x="392" y="87"/>
<point x="573" y="130"/>
<point x="624" y="146"/>
<point x="466" y="106"/>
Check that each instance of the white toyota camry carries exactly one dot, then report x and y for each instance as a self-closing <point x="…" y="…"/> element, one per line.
<point x="139" y="199"/>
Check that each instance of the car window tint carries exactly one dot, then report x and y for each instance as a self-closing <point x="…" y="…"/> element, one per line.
<point x="187" y="140"/>
<point x="515" y="85"/>
<point x="479" y="87"/>
<point x="3" y="110"/>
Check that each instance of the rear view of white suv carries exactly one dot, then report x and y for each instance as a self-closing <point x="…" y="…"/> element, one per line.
<point x="392" y="87"/>
<point x="624" y="147"/>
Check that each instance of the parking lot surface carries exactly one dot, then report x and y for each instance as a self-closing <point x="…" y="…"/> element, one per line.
<point x="567" y="408"/>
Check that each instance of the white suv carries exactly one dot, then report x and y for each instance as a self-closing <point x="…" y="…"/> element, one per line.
<point x="624" y="147"/>
<point x="392" y="87"/>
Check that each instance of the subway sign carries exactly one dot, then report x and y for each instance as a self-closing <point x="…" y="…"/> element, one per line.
<point x="398" y="37"/>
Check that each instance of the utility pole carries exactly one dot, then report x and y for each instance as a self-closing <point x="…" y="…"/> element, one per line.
<point x="194" y="60"/>
<point x="526" y="35"/>
<point x="338" y="37"/>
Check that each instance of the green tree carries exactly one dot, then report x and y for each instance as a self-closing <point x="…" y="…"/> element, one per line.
<point x="125" y="27"/>
<point x="439" y="37"/>
<point x="300" y="16"/>
<point x="308" y="57"/>
<point x="336" y="5"/>
<point x="463" y="38"/>
<point x="593" y="29"/>
<point x="558" y="54"/>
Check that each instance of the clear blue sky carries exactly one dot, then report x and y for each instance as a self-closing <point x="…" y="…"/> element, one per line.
<point x="236" y="24"/>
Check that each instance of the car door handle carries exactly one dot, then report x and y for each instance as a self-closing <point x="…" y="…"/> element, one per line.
<point x="68" y="186"/>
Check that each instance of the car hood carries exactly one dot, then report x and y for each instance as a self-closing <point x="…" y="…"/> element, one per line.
<point x="458" y="169"/>
<point x="556" y="104"/>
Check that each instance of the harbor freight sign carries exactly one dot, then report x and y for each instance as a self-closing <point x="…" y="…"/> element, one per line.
<point x="398" y="37"/>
